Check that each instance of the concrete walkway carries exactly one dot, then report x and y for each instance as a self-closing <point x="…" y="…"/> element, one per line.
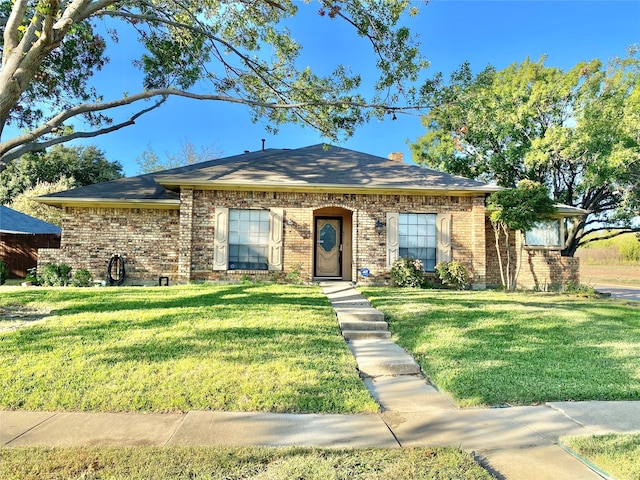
<point x="513" y="443"/>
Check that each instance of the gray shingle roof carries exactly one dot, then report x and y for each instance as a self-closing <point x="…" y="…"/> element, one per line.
<point x="12" y="221"/>
<point x="328" y="168"/>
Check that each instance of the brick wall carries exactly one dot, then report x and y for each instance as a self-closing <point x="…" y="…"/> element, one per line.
<point x="146" y="238"/>
<point x="540" y="269"/>
<point x="369" y="251"/>
<point x="179" y="244"/>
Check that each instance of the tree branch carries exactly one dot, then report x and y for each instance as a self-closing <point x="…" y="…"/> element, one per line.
<point x="11" y="29"/>
<point x="36" y="146"/>
<point x="619" y="231"/>
<point x="7" y="147"/>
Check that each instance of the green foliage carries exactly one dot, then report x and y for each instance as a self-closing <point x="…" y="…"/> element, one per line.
<point x="522" y="207"/>
<point x="575" y="131"/>
<point x="623" y="249"/>
<point x="82" y="278"/>
<point x="630" y="249"/>
<point x="453" y="274"/>
<point x="293" y="276"/>
<point x="80" y="165"/>
<point x="32" y="276"/>
<point x="201" y="50"/>
<point x="516" y="209"/>
<point x="24" y="203"/>
<point x="4" y="272"/>
<point x="55" y="275"/>
<point x="407" y="272"/>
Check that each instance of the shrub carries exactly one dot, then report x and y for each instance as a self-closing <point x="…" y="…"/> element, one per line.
<point x="4" y="272"/>
<point x="453" y="274"/>
<point x="82" y="278"/>
<point x="294" y="276"/>
<point x="55" y="275"/>
<point x="407" y="272"/>
<point x="32" y="276"/>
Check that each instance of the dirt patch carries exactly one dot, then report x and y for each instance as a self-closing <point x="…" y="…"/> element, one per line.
<point x="16" y="316"/>
<point x="616" y="274"/>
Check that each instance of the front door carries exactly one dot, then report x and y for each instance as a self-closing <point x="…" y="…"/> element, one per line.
<point x="328" y="247"/>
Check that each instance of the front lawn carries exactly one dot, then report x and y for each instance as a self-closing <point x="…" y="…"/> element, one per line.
<point x="203" y="463"/>
<point x="172" y="349"/>
<point x="617" y="455"/>
<point x="495" y="348"/>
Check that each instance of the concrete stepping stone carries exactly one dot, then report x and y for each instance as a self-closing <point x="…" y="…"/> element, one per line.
<point x="382" y="357"/>
<point x="407" y="393"/>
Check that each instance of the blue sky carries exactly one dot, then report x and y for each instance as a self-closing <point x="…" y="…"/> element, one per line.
<point x="451" y="32"/>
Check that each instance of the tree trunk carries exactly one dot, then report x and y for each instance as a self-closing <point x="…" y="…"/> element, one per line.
<point x="519" y="239"/>
<point x="496" y="233"/>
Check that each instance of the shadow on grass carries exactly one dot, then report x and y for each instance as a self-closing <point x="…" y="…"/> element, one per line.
<point x="239" y="345"/>
<point x="501" y="349"/>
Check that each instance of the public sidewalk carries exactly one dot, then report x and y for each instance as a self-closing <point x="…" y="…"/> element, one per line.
<point x="518" y="443"/>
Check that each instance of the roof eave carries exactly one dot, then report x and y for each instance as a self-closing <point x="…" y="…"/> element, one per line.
<point x="328" y="188"/>
<point x="109" y="202"/>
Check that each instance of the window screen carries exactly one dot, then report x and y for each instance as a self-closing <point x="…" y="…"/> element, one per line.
<point x="248" y="239"/>
<point x="544" y="234"/>
<point x="417" y="238"/>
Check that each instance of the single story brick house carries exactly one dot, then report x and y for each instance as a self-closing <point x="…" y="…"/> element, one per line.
<point x="21" y="236"/>
<point x="322" y="211"/>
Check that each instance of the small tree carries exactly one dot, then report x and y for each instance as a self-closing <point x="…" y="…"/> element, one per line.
<point x="517" y="209"/>
<point x="24" y="201"/>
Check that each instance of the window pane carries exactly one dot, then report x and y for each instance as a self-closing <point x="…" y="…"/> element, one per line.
<point x="417" y="238"/>
<point x="248" y="239"/>
<point x="544" y="234"/>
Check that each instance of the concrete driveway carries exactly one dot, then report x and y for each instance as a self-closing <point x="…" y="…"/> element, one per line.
<point x="619" y="291"/>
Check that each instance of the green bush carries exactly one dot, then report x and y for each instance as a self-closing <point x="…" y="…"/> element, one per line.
<point x="4" y="272"/>
<point x="32" y="276"/>
<point x="82" y="278"/>
<point x="630" y="248"/>
<point x="294" y="276"/>
<point x="453" y="274"/>
<point x="407" y="272"/>
<point x="55" y="275"/>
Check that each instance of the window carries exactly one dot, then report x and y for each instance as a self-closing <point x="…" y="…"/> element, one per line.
<point x="545" y="234"/>
<point x="248" y="239"/>
<point x="417" y="238"/>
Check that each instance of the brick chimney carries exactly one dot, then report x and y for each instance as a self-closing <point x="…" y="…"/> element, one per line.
<point x="395" y="156"/>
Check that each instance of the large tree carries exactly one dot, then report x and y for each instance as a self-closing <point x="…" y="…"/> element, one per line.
<point x="79" y="165"/>
<point x="239" y="50"/>
<point x="577" y="132"/>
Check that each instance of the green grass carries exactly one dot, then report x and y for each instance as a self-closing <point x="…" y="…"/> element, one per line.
<point x="493" y="348"/>
<point x="237" y="463"/>
<point x="234" y="347"/>
<point x="616" y="454"/>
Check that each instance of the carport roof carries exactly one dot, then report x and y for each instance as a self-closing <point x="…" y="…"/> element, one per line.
<point x="15" y="222"/>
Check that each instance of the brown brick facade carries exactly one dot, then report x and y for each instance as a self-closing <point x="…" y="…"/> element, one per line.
<point x="146" y="238"/>
<point x="540" y="269"/>
<point x="180" y="243"/>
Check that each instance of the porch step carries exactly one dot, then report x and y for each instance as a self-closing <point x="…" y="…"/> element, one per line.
<point x="363" y="314"/>
<point x="366" y="334"/>
<point x="362" y="325"/>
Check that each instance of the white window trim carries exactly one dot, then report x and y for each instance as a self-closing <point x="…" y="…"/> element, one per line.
<point x="443" y="237"/>
<point x="221" y="239"/>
